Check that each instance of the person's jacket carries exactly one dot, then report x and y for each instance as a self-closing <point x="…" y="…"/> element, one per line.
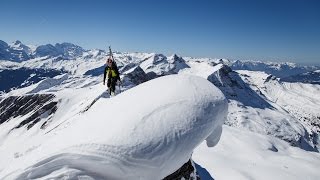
<point x="111" y="72"/>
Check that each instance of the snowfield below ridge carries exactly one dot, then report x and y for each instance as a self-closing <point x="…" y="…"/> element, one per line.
<point x="243" y="155"/>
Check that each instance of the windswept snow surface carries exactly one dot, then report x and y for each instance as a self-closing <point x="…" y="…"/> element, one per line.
<point x="243" y="155"/>
<point x="147" y="132"/>
<point x="297" y="104"/>
<point x="259" y="102"/>
<point x="201" y="69"/>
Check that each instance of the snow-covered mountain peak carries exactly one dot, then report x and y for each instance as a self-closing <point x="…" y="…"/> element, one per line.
<point x="64" y="50"/>
<point x="18" y="45"/>
<point x="163" y="65"/>
<point x="225" y="61"/>
<point x="15" y="52"/>
<point x="94" y="53"/>
<point x="175" y="58"/>
<point x="157" y="63"/>
<point x="158" y="58"/>
<point x="70" y="50"/>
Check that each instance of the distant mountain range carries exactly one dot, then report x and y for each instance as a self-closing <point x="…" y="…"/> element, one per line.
<point x="17" y="51"/>
<point x="17" y="59"/>
<point x="280" y="70"/>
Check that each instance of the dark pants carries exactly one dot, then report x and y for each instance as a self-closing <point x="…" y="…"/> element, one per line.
<point x="112" y="84"/>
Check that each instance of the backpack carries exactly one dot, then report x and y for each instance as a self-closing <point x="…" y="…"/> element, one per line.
<point x="115" y="68"/>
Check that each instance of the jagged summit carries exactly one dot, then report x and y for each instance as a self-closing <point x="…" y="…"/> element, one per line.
<point x="16" y="43"/>
<point x="15" y="52"/>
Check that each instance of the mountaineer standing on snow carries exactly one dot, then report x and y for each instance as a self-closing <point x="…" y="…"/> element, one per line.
<point x="111" y="72"/>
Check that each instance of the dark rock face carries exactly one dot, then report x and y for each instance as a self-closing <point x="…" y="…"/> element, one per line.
<point x="127" y="67"/>
<point x="233" y="87"/>
<point x="96" y="72"/>
<point x="137" y="76"/>
<point x="159" y="58"/>
<point x="178" y="64"/>
<point x="151" y="75"/>
<point x="221" y="77"/>
<point x="3" y="45"/>
<point x="38" y="105"/>
<point x="4" y="54"/>
<point x="186" y="171"/>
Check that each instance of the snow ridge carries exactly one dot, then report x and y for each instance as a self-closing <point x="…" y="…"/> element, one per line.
<point x="151" y="140"/>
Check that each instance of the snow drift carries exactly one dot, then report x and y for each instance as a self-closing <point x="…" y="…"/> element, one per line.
<point x="147" y="132"/>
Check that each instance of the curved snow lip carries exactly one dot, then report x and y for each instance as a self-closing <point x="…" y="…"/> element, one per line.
<point x="150" y="131"/>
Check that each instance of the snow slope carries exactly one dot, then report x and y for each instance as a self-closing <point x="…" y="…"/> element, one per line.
<point x="252" y="105"/>
<point x="297" y="102"/>
<point x="151" y="140"/>
<point x="243" y="155"/>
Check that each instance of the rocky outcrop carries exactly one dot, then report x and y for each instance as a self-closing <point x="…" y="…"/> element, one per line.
<point x="162" y="65"/>
<point x="187" y="171"/>
<point x="136" y="75"/>
<point x="33" y="107"/>
<point x="177" y="63"/>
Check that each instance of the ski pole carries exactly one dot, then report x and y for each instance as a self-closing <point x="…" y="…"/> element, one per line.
<point x="120" y="86"/>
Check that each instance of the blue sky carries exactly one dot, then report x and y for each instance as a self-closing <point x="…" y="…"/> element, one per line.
<point x="275" y="30"/>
